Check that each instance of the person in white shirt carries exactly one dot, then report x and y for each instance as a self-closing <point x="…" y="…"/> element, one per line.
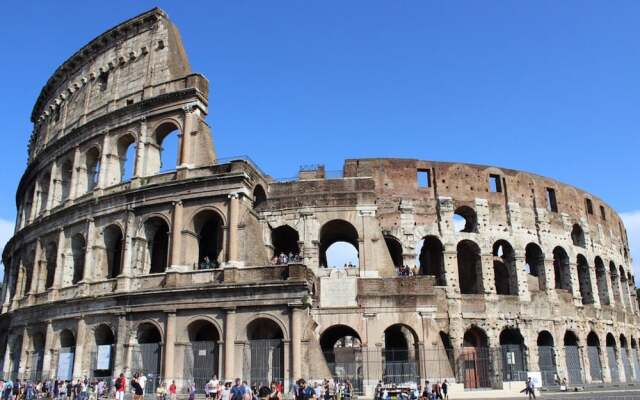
<point x="143" y="382"/>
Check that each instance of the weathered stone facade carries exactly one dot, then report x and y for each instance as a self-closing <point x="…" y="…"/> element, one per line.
<point x="101" y="259"/>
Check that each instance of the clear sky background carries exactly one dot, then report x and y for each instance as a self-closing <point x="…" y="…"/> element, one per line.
<point x="548" y="87"/>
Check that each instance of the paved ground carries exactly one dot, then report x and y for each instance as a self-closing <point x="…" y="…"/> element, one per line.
<point x="599" y="394"/>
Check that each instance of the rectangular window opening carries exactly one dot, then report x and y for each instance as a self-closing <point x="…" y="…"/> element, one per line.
<point x="589" y="206"/>
<point x="424" y="178"/>
<point x="603" y="213"/>
<point x="495" y="184"/>
<point x="552" y="204"/>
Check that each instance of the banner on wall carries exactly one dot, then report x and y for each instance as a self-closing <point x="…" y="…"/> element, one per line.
<point x="104" y="357"/>
<point x="65" y="366"/>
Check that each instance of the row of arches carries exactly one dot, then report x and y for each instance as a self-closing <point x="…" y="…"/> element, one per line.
<point x="75" y="175"/>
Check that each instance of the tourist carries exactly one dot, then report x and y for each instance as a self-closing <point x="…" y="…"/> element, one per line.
<point x="275" y="394"/>
<point x="8" y="389"/>
<point x="135" y="386"/>
<point x="237" y="391"/>
<point x="120" y="385"/>
<point x="205" y="263"/>
<point x="143" y="382"/>
<point x="445" y="390"/>
<point x="192" y="390"/>
<point x="161" y="392"/>
<point x="173" y="390"/>
<point x="531" y="388"/>
<point x="226" y="391"/>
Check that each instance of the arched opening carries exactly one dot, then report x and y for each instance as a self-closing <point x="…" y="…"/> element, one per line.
<point x="15" y="356"/>
<point x="624" y="287"/>
<point x="341" y="346"/>
<point x="395" y="250"/>
<point x="465" y="220"/>
<point x="147" y="354"/>
<point x="601" y="280"/>
<point x="78" y="249"/>
<point x="43" y="194"/>
<point x="201" y="355"/>
<point x="584" y="280"/>
<point x="51" y="257"/>
<point x="612" y="358"/>
<point x="126" y="148"/>
<point x="624" y="356"/>
<point x="432" y="259"/>
<point x="593" y="354"/>
<point x="113" y="246"/>
<point x="28" y="206"/>
<point x="37" y="357"/>
<point x="534" y="264"/>
<point x="504" y="268"/>
<point x="103" y="358"/>
<point x="338" y="244"/>
<point x="28" y="268"/>
<point x="66" y="355"/>
<point x="265" y="352"/>
<point x="285" y="244"/>
<point x="164" y="156"/>
<point x="513" y="355"/>
<point x="634" y="359"/>
<point x="546" y="358"/>
<point x="469" y="267"/>
<point x="400" y="355"/>
<point x="475" y="359"/>
<point x="92" y="165"/>
<point x="66" y="172"/>
<point x="615" y="282"/>
<point x="259" y="196"/>
<point x="577" y="236"/>
<point x="561" y="269"/>
<point x="156" y="232"/>
<point x="448" y="368"/>
<point x="209" y="227"/>
<point x="572" y="358"/>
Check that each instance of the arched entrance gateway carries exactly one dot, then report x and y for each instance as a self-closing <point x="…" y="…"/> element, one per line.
<point x="342" y="349"/>
<point x="514" y="364"/>
<point x="201" y="356"/>
<point x="572" y="358"/>
<point x="66" y="355"/>
<point x="264" y="352"/>
<point x="593" y="353"/>
<point x="612" y="359"/>
<point x="37" y="358"/>
<point x="400" y="355"/>
<point x="546" y="358"/>
<point x="104" y="356"/>
<point x="147" y="354"/>
<point x="475" y="360"/>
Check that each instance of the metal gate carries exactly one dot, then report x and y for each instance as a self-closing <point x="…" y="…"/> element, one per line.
<point x="626" y="364"/>
<point x="574" y="366"/>
<point x="146" y="360"/>
<point x="636" y="366"/>
<point x="264" y="361"/>
<point x="201" y="362"/>
<point x="346" y="364"/>
<point x="594" y="363"/>
<point x="513" y="363"/>
<point x="37" y="363"/>
<point x="613" y="364"/>
<point x="400" y="367"/>
<point x="475" y="364"/>
<point x="547" y="364"/>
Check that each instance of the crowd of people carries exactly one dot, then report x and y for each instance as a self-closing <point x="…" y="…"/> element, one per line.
<point x="404" y="270"/>
<point x="430" y="391"/>
<point x="283" y="259"/>
<point x="81" y="389"/>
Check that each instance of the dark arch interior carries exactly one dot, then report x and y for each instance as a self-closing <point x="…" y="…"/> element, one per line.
<point x="65" y="179"/>
<point x="148" y="333"/>
<point x="475" y="337"/>
<point x="611" y="341"/>
<point x="570" y="339"/>
<point x="78" y="249"/>
<point x="209" y="228"/>
<point x="38" y="342"/>
<point x="259" y="196"/>
<point x="545" y="339"/>
<point x="51" y="255"/>
<point x="336" y="231"/>
<point x="395" y="250"/>
<point x="561" y="269"/>
<point x="592" y="339"/>
<point x="623" y="341"/>
<point x="601" y="280"/>
<point x="469" y="267"/>
<point x="584" y="280"/>
<point x="577" y="236"/>
<point x="67" y="339"/>
<point x="113" y="243"/>
<point x="398" y="342"/>
<point x="504" y="269"/>
<point x="285" y="240"/>
<point x="534" y="259"/>
<point x="470" y="218"/>
<point x="339" y="336"/>
<point x="157" y="231"/>
<point x="511" y="336"/>
<point x="201" y="331"/>
<point x="104" y="335"/>
<point x="432" y="259"/>
<point x="263" y="328"/>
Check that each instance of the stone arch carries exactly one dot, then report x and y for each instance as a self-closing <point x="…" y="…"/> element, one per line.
<point x="469" y="267"/>
<point x="400" y="354"/>
<point x="66" y="173"/>
<point x="66" y="338"/>
<point x="395" y="250"/>
<point x="341" y="232"/>
<point x="285" y="241"/>
<point x="105" y="340"/>
<point x="158" y="159"/>
<point x="51" y="257"/>
<point x="593" y="354"/>
<point x="203" y="345"/>
<point x="601" y="280"/>
<point x="475" y="360"/>
<point x="584" y="279"/>
<point x="208" y="226"/>
<point x="38" y="352"/>
<point x="572" y="357"/>
<point x="266" y="351"/>
<point x="561" y="269"/>
<point x="465" y="219"/>
<point x="612" y="357"/>
<point x="274" y="319"/>
<point x="113" y="243"/>
<point x="504" y="268"/>
<point x="513" y="349"/>
<point x="156" y="252"/>
<point x="259" y="196"/>
<point x="534" y="260"/>
<point x="78" y="251"/>
<point x="431" y="258"/>
<point x="91" y="176"/>
<point x="126" y="158"/>
<point x="577" y="236"/>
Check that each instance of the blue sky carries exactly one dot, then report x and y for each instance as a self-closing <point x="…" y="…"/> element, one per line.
<point x="549" y="87"/>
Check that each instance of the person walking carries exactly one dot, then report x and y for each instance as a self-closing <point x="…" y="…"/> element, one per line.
<point x="445" y="390"/>
<point x="173" y="390"/>
<point x="531" y="388"/>
<point x="120" y="385"/>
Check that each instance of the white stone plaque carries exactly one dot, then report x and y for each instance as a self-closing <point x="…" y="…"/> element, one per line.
<point x="338" y="290"/>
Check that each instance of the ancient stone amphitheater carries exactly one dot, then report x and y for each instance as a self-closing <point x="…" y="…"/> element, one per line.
<point x="124" y="262"/>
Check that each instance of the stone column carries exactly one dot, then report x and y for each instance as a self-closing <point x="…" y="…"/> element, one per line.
<point x="169" y="346"/>
<point x="140" y="149"/>
<point x="89" y="265"/>
<point x="575" y="283"/>
<point x="47" y="370"/>
<point x="78" y="367"/>
<point x="233" y="228"/>
<point x="176" y="236"/>
<point x="120" y="363"/>
<point x="229" y="343"/>
<point x="73" y="190"/>
<point x="35" y="204"/>
<point x="185" y="144"/>
<point x="104" y="163"/>
<point x="549" y="277"/>
<point x="6" y="367"/>
<point x="451" y="272"/>
<point x="296" y="342"/>
<point x="51" y="195"/>
<point x="521" y="275"/>
<point x="60" y="260"/>
<point x="486" y="274"/>
<point x="24" y="352"/>
<point x="595" y="293"/>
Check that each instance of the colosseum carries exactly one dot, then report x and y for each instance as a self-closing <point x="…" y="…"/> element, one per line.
<point x="124" y="262"/>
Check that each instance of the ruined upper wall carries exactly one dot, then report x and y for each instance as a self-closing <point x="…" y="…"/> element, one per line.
<point x="116" y="69"/>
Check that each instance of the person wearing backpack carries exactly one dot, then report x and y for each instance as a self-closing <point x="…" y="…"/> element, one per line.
<point x="238" y="390"/>
<point x="120" y="385"/>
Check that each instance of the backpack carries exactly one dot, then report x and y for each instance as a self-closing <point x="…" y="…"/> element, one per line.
<point x="118" y="384"/>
